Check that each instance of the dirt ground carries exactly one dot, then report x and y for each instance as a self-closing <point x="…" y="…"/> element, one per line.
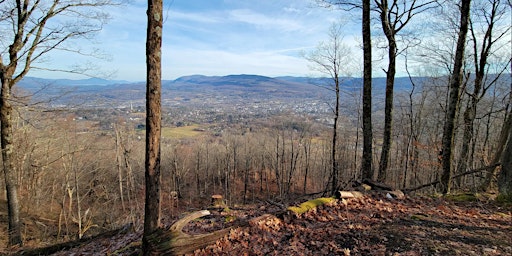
<point x="371" y="225"/>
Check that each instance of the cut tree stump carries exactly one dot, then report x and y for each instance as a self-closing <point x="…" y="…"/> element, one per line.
<point x="175" y="242"/>
<point x="217" y="201"/>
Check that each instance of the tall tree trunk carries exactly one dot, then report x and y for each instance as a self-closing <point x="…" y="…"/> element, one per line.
<point x="480" y="62"/>
<point x="504" y="134"/>
<point x="505" y="177"/>
<point x="455" y="83"/>
<point x="11" y="183"/>
<point x="390" y="83"/>
<point x="335" y="171"/>
<point x="366" y="161"/>
<point x="469" y="117"/>
<point x="152" y="208"/>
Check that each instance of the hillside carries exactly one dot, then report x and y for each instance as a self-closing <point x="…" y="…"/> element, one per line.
<point x="371" y="225"/>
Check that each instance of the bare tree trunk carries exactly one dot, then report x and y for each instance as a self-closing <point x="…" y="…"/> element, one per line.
<point x="366" y="161"/>
<point x="505" y="130"/>
<point x="479" y="88"/>
<point x="119" y="164"/>
<point x="469" y="117"/>
<point x="11" y="184"/>
<point x="390" y="83"/>
<point x="335" y="170"/>
<point x="505" y="177"/>
<point x="152" y="208"/>
<point x="455" y="83"/>
<point x="307" y="157"/>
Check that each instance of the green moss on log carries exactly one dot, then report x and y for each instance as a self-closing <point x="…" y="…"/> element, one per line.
<point x="311" y="204"/>
<point x="462" y="197"/>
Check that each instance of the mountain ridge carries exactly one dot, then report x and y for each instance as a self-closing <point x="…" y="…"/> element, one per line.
<point x="238" y="86"/>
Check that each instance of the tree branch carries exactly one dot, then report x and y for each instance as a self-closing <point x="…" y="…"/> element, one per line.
<point x="485" y="168"/>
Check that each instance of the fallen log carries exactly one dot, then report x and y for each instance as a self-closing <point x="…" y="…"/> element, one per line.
<point x="175" y="242"/>
<point x="347" y="194"/>
<point x="311" y="204"/>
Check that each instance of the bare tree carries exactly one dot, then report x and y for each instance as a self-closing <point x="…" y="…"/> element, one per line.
<point x="505" y="177"/>
<point x="501" y="143"/>
<point x="394" y="16"/>
<point x="332" y="58"/>
<point x="38" y="28"/>
<point x="486" y="16"/>
<point x="455" y="84"/>
<point x="366" y="161"/>
<point x="152" y="208"/>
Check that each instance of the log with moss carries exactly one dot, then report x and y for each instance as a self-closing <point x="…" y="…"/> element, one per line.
<point x="311" y="204"/>
<point x="175" y="242"/>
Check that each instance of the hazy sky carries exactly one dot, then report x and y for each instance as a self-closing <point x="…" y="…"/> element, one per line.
<point x="216" y="37"/>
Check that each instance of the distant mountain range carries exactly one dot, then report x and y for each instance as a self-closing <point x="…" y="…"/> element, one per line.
<point x="242" y="80"/>
<point x="246" y="86"/>
<point x="29" y="82"/>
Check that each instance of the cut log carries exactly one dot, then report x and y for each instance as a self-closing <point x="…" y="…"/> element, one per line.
<point x="347" y="194"/>
<point x="396" y="194"/>
<point x="175" y="242"/>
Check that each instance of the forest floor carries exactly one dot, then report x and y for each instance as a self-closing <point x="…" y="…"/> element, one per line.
<point x="370" y="225"/>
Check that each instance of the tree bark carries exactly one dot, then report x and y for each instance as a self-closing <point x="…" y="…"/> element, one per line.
<point x="366" y="161"/>
<point x="389" y="31"/>
<point x="505" y="130"/>
<point x="479" y="89"/>
<point x="11" y="183"/>
<point x="335" y="171"/>
<point x="505" y="177"/>
<point x="152" y="208"/>
<point x="455" y="83"/>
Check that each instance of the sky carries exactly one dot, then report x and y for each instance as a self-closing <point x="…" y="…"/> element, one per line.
<point x="215" y="37"/>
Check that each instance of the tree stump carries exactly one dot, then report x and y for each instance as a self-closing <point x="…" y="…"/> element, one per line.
<point x="217" y="201"/>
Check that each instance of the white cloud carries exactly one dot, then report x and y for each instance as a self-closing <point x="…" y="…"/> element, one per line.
<point x="262" y="21"/>
<point x="213" y="62"/>
<point x="216" y="37"/>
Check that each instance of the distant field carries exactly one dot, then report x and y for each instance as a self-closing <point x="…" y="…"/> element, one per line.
<point x="181" y="132"/>
<point x="178" y="132"/>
